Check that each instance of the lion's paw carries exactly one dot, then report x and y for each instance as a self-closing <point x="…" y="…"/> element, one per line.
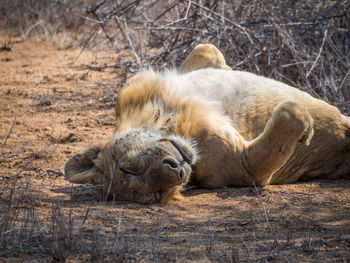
<point x="293" y="118"/>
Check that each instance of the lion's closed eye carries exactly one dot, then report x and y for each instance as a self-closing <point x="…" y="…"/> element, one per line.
<point x="128" y="171"/>
<point x="171" y="163"/>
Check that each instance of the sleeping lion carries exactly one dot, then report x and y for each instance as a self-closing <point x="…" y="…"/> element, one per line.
<point x="214" y="127"/>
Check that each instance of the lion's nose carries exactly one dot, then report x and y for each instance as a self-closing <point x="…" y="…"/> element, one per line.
<point x="178" y="171"/>
<point x="176" y="168"/>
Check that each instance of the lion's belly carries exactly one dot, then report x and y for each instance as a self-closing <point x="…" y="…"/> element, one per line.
<point x="249" y="101"/>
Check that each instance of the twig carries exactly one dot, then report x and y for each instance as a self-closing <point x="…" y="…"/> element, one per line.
<point x="181" y="44"/>
<point x="86" y="42"/>
<point x="166" y="11"/>
<point x="49" y="170"/>
<point x="101" y="23"/>
<point x="292" y="24"/>
<point x="58" y="141"/>
<point x="8" y="134"/>
<point x="85" y="217"/>
<point x="117" y="65"/>
<point x="266" y="216"/>
<point x="93" y="10"/>
<point x="188" y="9"/>
<point x="169" y="48"/>
<point x="319" y="52"/>
<point x="346" y="76"/>
<point x="29" y="163"/>
<point x="14" y="153"/>
<point x="126" y="35"/>
<point x="174" y="22"/>
<point x="32" y="27"/>
<point x="173" y="28"/>
<point x="226" y="20"/>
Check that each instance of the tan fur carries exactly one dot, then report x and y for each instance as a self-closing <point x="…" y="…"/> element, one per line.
<point x="204" y="56"/>
<point x="254" y="130"/>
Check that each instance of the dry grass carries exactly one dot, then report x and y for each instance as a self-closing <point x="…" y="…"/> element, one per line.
<point x="69" y="231"/>
<point x="72" y="230"/>
<point x="57" y="21"/>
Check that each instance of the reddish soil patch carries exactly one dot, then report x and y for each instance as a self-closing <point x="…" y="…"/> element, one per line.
<point x="52" y="106"/>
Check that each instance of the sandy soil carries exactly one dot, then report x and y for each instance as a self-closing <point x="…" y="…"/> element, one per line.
<point x="52" y="106"/>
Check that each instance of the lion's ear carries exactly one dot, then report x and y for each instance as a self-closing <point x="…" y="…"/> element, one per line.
<point x="186" y="148"/>
<point x="81" y="169"/>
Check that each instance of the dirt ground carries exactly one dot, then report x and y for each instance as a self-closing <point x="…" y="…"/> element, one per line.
<point x="53" y="106"/>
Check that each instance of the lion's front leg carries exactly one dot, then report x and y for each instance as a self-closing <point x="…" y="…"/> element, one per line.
<point x="289" y="123"/>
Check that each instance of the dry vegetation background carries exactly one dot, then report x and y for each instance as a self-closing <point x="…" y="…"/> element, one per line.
<point x="303" y="43"/>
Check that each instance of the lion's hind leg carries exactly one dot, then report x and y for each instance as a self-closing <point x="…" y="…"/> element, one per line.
<point x="204" y="56"/>
<point x="289" y="123"/>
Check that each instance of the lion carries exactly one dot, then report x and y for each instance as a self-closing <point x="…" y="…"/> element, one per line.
<point x="215" y="128"/>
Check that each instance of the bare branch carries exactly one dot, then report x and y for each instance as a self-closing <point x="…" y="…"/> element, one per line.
<point x="319" y="52"/>
<point x="126" y="34"/>
<point x="9" y="133"/>
<point x="265" y="214"/>
<point x="49" y="170"/>
<point x="226" y="20"/>
<point x="14" y="153"/>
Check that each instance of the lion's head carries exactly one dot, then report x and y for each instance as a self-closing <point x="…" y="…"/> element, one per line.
<point x="138" y="165"/>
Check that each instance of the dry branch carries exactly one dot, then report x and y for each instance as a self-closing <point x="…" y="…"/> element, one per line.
<point x="226" y="20"/>
<point x="305" y="47"/>
<point x="60" y="173"/>
<point x="126" y="34"/>
<point x="9" y="133"/>
<point x="14" y="152"/>
<point x="266" y="215"/>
